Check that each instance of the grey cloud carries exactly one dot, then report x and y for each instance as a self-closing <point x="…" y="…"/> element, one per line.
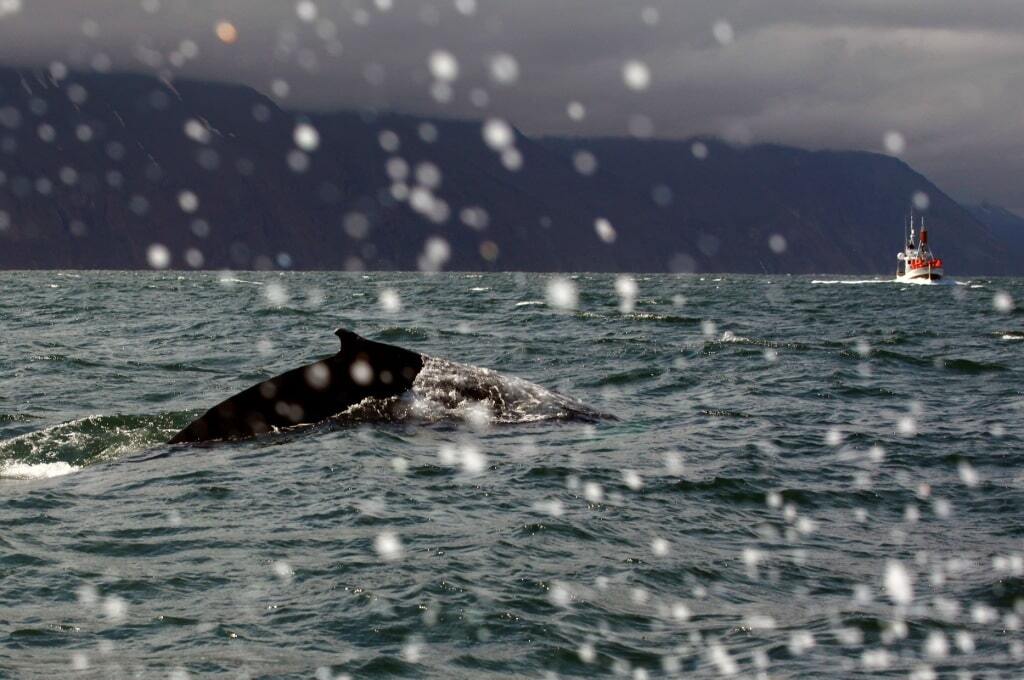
<point x="946" y="74"/>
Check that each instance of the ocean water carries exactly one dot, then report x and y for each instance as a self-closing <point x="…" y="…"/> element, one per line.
<point x="803" y="478"/>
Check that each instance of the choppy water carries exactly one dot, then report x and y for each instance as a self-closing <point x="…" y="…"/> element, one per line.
<point x="805" y="479"/>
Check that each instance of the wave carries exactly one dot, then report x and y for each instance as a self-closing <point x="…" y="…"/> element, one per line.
<point x="961" y="365"/>
<point x="87" y="440"/>
<point x="668" y="318"/>
<point x="402" y="333"/>
<point x="729" y="336"/>
<point x="628" y="377"/>
<point x="16" y="417"/>
<point x="1012" y="336"/>
<point x="724" y="413"/>
<point x="283" y="310"/>
<point x="969" y="366"/>
<point x="639" y="316"/>
<point x="65" y="359"/>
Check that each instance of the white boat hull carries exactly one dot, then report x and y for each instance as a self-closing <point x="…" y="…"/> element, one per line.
<point x="921" y="275"/>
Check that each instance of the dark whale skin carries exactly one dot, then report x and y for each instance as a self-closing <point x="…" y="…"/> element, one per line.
<point x="311" y="393"/>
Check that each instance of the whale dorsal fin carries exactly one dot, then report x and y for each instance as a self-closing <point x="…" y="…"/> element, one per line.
<point x="349" y="340"/>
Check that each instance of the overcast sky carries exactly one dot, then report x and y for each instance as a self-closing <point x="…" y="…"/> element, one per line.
<point x="947" y="75"/>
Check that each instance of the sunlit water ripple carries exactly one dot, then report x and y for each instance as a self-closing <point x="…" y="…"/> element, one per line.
<point x="805" y="479"/>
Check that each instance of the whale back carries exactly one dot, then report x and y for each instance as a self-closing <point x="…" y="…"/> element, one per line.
<point x="361" y="369"/>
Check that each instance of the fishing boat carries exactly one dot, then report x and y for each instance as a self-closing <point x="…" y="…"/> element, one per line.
<point x="917" y="263"/>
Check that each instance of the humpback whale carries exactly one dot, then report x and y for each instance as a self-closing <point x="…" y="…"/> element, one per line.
<point x="373" y="379"/>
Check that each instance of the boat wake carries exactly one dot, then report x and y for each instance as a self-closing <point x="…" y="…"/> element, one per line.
<point x="849" y="282"/>
<point x="861" y="282"/>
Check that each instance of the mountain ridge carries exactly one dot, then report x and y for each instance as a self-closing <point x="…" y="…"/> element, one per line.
<point x="213" y="173"/>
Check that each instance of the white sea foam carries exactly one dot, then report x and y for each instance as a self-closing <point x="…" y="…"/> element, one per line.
<point x="14" y="470"/>
<point x="1013" y="336"/>
<point x="530" y="303"/>
<point x="446" y="390"/>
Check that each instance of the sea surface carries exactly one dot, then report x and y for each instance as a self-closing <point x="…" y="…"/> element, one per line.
<point x="801" y="478"/>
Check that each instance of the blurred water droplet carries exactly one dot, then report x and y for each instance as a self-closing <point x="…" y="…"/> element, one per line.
<point x="504" y="69"/>
<point x="444" y="66"/>
<point x="723" y="32"/>
<point x="898" y="583"/>
<point x="894" y="143"/>
<point x="562" y="293"/>
<point x="466" y="7"/>
<point x="306" y="11"/>
<point x="967" y="474"/>
<point x="632" y="479"/>
<point x="593" y="492"/>
<point x="188" y="201"/>
<point x="283" y="571"/>
<point x="604" y="229"/>
<point x="226" y="32"/>
<point x="306" y="137"/>
<point x="584" y="162"/>
<point x="388" y="546"/>
<point x="361" y="372"/>
<point x="79" y="661"/>
<point x="498" y="134"/>
<point x="115" y="608"/>
<point x="158" y="256"/>
<point x="276" y="293"/>
<point x="636" y="74"/>
<point x="390" y="301"/>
